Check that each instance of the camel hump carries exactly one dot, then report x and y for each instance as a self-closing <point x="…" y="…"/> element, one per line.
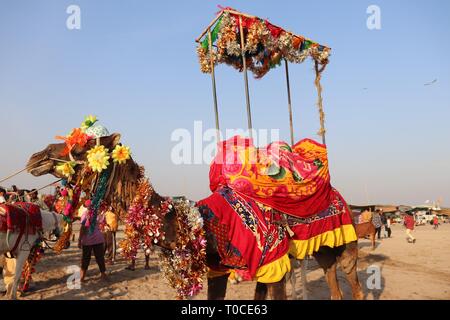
<point x="366" y="216"/>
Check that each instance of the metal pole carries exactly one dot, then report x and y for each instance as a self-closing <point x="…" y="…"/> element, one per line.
<point x="289" y="101"/>
<point x="213" y="79"/>
<point x="244" y="62"/>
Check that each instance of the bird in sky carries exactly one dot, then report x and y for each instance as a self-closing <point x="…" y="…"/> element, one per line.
<point x="430" y="83"/>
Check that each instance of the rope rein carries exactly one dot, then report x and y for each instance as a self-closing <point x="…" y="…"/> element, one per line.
<point x="36" y="162"/>
<point x="319" y="71"/>
<point x="20" y="171"/>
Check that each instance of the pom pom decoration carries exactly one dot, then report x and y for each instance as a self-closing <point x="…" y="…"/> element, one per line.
<point x="98" y="158"/>
<point x="121" y="154"/>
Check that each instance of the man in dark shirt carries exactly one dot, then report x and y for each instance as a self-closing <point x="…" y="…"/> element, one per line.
<point x="377" y="223"/>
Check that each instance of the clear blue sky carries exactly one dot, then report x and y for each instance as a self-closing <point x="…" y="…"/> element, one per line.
<point x="134" y="65"/>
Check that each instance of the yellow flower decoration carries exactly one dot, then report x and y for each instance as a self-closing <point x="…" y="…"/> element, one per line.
<point x="98" y="158"/>
<point x="66" y="169"/>
<point x="121" y="154"/>
<point x="88" y="122"/>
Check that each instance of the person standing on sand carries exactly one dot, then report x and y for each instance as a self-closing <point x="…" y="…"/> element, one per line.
<point x="384" y="223"/>
<point x="377" y="223"/>
<point x="88" y="242"/>
<point x="409" y="224"/>
<point x="435" y="223"/>
<point x="111" y="227"/>
<point x="388" y="227"/>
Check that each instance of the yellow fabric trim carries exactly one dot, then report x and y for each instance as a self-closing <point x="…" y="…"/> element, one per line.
<point x="335" y="238"/>
<point x="274" y="271"/>
<point x="270" y="273"/>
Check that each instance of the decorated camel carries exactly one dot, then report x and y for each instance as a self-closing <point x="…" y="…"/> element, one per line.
<point x="192" y="239"/>
<point x="275" y="202"/>
<point x="91" y="172"/>
<point x="22" y="227"/>
<point x="364" y="225"/>
<point x="293" y="189"/>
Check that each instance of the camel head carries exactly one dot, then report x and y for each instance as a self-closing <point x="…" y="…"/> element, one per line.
<point x="45" y="161"/>
<point x="52" y="223"/>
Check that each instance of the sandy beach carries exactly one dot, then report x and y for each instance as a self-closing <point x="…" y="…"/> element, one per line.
<point x="408" y="271"/>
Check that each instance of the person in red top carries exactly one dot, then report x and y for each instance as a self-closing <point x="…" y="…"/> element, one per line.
<point x="409" y="224"/>
<point x="435" y="223"/>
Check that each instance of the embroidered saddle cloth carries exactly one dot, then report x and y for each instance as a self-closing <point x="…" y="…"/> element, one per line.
<point x="247" y="235"/>
<point x="13" y="217"/>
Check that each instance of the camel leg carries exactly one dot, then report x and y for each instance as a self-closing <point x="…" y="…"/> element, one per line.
<point x="291" y="276"/>
<point x="147" y="261"/>
<point x="331" y="277"/>
<point x="217" y="287"/>
<point x="20" y="262"/>
<point x="326" y="258"/>
<point x="373" y="236"/>
<point x="349" y="262"/>
<point x="277" y="290"/>
<point x="304" y="266"/>
<point x="261" y="291"/>
<point x="114" y="248"/>
<point x="132" y="265"/>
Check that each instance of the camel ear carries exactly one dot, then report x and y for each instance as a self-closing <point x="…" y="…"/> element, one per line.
<point x="115" y="139"/>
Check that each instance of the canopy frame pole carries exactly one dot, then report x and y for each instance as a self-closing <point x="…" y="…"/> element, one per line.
<point x="288" y="86"/>
<point x="247" y="95"/>
<point x="208" y="28"/>
<point x="214" y="89"/>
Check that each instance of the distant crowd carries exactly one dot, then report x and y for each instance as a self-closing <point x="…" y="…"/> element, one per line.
<point x="101" y="243"/>
<point x="14" y="194"/>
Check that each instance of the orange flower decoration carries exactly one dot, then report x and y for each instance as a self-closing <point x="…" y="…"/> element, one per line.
<point x="76" y="137"/>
